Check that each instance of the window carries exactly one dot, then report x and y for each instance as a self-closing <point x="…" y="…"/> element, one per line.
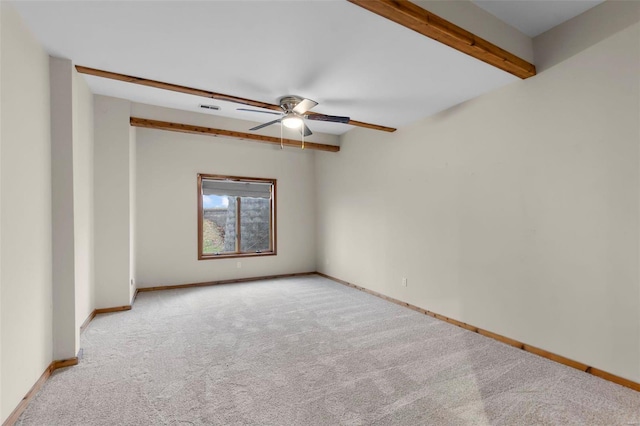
<point x="236" y="216"/>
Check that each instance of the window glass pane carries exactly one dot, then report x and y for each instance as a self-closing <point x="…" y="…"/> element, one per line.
<point x="218" y="224"/>
<point x="255" y="214"/>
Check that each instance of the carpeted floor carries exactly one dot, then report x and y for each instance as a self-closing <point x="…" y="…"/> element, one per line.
<point x="308" y="351"/>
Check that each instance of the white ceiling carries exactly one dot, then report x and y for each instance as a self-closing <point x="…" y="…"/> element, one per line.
<point x="533" y="17"/>
<point x="351" y="61"/>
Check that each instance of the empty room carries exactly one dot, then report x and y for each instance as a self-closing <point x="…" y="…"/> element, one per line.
<point x="320" y="212"/>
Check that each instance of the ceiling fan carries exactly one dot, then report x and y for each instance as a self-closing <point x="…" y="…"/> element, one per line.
<point x="294" y="111"/>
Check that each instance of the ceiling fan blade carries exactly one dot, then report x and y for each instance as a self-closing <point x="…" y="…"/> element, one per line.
<point x="255" y="110"/>
<point x="266" y="124"/>
<point x="304" y="106"/>
<point x="330" y="118"/>
<point x="307" y="130"/>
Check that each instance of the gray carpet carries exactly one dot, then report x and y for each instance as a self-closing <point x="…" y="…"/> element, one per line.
<point x="308" y="351"/>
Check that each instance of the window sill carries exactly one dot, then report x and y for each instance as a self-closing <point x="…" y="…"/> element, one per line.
<point x="234" y="255"/>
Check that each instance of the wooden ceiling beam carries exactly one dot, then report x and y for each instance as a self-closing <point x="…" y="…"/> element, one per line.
<point x="414" y="17"/>
<point x="174" y="88"/>
<point x="209" y="131"/>
<point x="205" y="93"/>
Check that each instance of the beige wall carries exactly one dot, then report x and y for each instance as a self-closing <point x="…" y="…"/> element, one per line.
<point x="111" y="201"/>
<point x="166" y="238"/>
<point x="516" y="212"/>
<point x="583" y="31"/>
<point x="65" y="336"/>
<point x="83" y="199"/>
<point x="25" y="204"/>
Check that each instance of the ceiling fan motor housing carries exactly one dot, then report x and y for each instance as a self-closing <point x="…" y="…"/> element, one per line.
<point x="288" y="103"/>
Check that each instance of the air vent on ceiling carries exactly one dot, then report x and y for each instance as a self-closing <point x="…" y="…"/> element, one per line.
<point x="213" y="107"/>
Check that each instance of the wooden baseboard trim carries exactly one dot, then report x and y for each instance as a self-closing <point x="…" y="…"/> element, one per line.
<point x="220" y="282"/>
<point x="114" y="309"/>
<point x="63" y="363"/>
<point x="86" y="322"/>
<point x="557" y="358"/>
<point x="515" y="343"/>
<point x="499" y="338"/>
<point x="22" y="405"/>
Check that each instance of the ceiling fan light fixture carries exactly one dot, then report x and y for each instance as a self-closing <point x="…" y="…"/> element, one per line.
<point x="292" y="121"/>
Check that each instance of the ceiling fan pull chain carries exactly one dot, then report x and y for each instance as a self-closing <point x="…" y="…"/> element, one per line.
<point x="281" y="138"/>
<point x="303" y="135"/>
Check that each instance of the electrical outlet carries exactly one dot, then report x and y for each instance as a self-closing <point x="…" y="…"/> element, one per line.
<point x="404" y="281"/>
<point x="239" y="265"/>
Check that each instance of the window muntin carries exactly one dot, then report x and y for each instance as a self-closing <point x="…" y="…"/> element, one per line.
<point x="236" y="216"/>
